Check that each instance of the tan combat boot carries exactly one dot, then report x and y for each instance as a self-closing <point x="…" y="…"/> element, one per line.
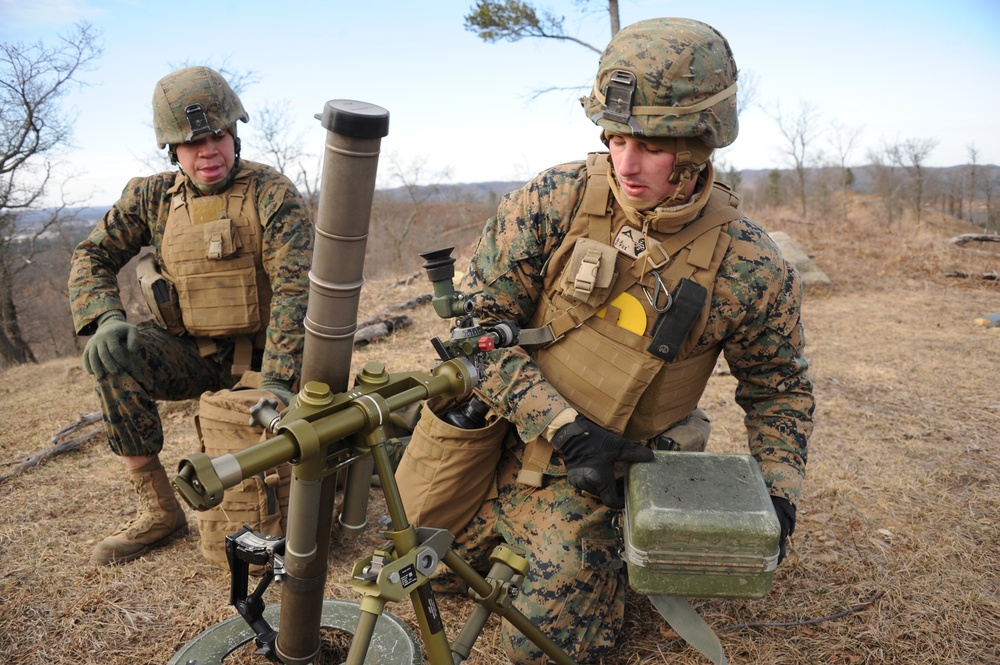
<point x="159" y="519"/>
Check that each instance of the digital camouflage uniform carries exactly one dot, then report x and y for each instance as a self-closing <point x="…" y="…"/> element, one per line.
<point x="670" y="83"/>
<point x="173" y="366"/>
<point x="575" y="587"/>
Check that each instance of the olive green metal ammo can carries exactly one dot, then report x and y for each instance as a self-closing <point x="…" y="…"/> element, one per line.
<point x="700" y="525"/>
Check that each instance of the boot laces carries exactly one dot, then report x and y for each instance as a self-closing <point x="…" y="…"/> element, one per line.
<point x="145" y="516"/>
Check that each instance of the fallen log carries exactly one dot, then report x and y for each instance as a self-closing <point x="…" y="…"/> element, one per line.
<point x="376" y="331"/>
<point x="990" y="276"/>
<point x="966" y="238"/>
<point x="412" y="303"/>
<point x="60" y="446"/>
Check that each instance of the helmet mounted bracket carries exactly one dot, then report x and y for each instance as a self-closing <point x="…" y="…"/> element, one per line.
<point x="198" y="121"/>
<point x="619" y="98"/>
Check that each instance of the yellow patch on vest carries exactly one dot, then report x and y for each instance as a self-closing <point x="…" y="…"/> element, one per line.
<point x="630" y="313"/>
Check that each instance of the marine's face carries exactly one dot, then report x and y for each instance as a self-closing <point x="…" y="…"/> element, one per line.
<point x="209" y="160"/>
<point x="642" y="169"/>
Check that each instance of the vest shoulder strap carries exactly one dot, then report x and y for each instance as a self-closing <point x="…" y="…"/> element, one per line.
<point x="596" y="197"/>
<point x="560" y="320"/>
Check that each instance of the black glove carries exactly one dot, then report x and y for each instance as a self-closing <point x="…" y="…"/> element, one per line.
<point x="112" y="349"/>
<point x="590" y="452"/>
<point x="786" y="517"/>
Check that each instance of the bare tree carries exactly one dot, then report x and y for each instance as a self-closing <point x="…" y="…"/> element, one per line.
<point x="394" y="218"/>
<point x="283" y="147"/>
<point x="748" y="91"/>
<point x="911" y="155"/>
<point x="843" y="140"/>
<point x="992" y="222"/>
<point x="274" y="126"/>
<point x="973" y="184"/>
<point x="800" y="132"/>
<point x="34" y="79"/>
<point x="886" y="181"/>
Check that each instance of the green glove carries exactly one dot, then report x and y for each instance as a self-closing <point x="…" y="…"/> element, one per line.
<point x="281" y="388"/>
<point x="590" y="452"/>
<point x="112" y="349"/>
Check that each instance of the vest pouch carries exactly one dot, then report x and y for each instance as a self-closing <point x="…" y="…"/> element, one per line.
<point x="221" y="240"/>
<point x="590" y="273"/>
<point x="446" y="472"/>
<point x="160" y="295"/>
<point x="601" y="369"/>
<point x="261" y="501"/>
<point x="674" y="394"/>
<point x="221" y="301"/>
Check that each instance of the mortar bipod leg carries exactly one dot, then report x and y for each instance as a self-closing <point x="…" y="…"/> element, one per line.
<point x="505" y="578"/>
<point x="484" y="591"/>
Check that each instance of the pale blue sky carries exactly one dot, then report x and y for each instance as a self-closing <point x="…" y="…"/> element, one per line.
<point x="897" y="70"/>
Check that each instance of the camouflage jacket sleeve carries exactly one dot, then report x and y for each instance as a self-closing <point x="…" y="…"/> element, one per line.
<point x="287" y="256"/>
<point x="756" y="317"/>
<point x="124" y="230"/>
<point x="507" y="270"/>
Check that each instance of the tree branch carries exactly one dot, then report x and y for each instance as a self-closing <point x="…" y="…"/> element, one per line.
<point x="60" y="447"/>
<point x="805" y="622"/>
<point x="966" y="238"/>
<point x="778" y="624"/>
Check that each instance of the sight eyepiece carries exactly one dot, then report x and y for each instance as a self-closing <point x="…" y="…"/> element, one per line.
<point x="440" y="267"/>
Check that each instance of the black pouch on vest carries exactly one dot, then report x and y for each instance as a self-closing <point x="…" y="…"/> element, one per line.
<point x="673" y="325"/>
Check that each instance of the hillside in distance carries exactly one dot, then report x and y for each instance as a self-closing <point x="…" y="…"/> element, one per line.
<point x="491" y="191"/>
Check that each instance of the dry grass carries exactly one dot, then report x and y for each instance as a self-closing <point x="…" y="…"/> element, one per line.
<point x="899" y="513"/>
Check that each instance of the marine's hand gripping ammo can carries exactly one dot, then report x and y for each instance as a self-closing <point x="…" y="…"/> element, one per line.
<point x="700" y="525"/>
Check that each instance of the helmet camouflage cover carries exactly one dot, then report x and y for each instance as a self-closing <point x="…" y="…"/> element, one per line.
<point x="667" y="77"/>
<point x="191" y="103"/>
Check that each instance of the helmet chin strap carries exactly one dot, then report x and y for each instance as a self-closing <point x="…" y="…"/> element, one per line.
<point x="691" y="155"/>
<point x="667" y="215"/>
<point x="680" y="191"/>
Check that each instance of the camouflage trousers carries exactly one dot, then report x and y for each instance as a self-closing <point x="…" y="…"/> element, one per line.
<point x="575" y="587"/>
<point x="171" y="368"/>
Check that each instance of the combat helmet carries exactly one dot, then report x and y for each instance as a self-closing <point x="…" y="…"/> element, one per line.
<point x="192" y="102"/>
<point x="671" y="81"/>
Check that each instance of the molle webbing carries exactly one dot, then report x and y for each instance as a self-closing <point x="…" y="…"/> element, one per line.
<point x="605" y="371"/>
<point x="212" y="253"/>
<point x="561" y="320"/>
<point x="261" y="501"/>
<point x="672" y="394"/>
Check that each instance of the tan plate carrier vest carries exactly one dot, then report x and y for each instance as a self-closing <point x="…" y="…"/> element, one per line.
<point x="211" y="255"/>
<point x="600" y="368"/>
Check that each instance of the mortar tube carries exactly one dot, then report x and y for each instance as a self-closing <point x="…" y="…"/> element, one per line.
<point x="347" y="189"/>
